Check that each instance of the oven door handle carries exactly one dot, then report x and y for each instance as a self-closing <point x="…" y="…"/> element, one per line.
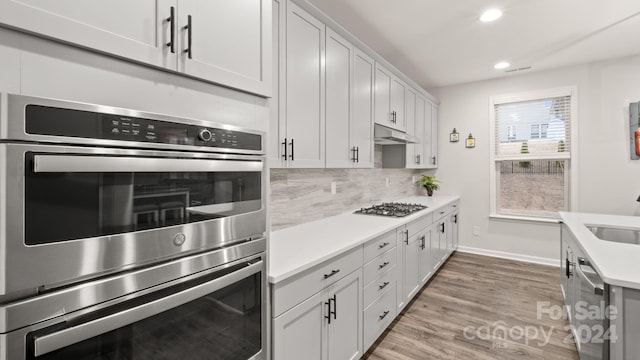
<point x="58" y="340"/>
<point x="80" y="163"/>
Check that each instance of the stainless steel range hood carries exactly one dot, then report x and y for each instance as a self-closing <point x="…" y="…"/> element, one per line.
<point x="387" y="136"/>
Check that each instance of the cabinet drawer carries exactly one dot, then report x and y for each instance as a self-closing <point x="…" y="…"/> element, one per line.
<point x="379" y="265"/>
<point x="416" y="225"/>
<point x="379" y="285"/>
<point x="441" y="212"/>
<point x="379" y="245"/>
<point x="379" y="315"/>
<point x="292" y="291"/>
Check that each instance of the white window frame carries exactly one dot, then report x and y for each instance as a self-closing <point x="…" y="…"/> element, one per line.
<point x="571" y="169"/>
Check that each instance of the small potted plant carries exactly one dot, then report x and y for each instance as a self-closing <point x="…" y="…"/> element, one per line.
<point x="430" y="183"/>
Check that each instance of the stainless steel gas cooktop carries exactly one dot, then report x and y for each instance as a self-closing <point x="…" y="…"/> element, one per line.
<point x="391" y="209"/>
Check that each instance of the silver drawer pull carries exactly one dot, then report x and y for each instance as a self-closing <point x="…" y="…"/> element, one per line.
<point x="383" y="245"/>
<point x="383" y="265"/>
<point x="333" y="272"/>
<point x="384" y="315"/>
<point x="441" y="212"/>
<point x="384" y="285"/>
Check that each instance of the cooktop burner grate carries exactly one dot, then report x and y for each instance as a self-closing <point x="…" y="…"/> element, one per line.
<point x="391" y="209"/>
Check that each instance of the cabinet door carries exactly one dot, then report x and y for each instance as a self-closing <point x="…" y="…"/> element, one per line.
<point x="301" y="332"/>
<point x="345" y="329"/>
<point x="438" y="243"/>
<point x="338" y="72"/>
<point x="398" y="98"/>
<point x="410" y="116"/>
<point x="425" y="268"/>
<point x="449" y="234"/>
<point x="382" y="95"/>
<point x="230" y="43"/>
<point x="419" y="156"/>
<point x="136" y="30"/>
<point x="277" y="124"/>
<point x="443" y="239"/>
<point x="454" y="230"/>
<point x="305" y="89"/>
<point x="361" y="131"/>
<point x="412" y="252"/>
<point x="402" y="240"/>
<point x="431" y="123"/>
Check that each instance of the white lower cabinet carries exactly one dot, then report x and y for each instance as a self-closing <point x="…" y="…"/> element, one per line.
<point x="337" y="310"/>
<point x="326" y="326"/>
<point x="417" y="269"/>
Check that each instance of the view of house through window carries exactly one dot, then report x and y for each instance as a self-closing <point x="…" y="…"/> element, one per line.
<point x="532" y="156"/>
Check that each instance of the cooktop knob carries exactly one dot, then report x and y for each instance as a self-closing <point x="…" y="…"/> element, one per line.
<point x="205" y="135"/>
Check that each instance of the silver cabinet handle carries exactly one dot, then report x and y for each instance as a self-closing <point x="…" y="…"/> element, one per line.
<point x="383" y="265"/>
<point x="58" y="340"/>
<point x="384" y="285"/>
<point x="384" y="314"/>
<point x="384" y="244"/>
<point x="77" y="163"/>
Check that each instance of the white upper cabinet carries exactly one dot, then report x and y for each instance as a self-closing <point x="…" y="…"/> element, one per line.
<point x="383" y="115"/>
<point x="389" y="99"/>
<point x="415" y="158"/>
<point x="431" y="140"/>
<point x="137" y="30"/>
<point x="398" y="104"/>
<point x="304" y="118"/>
<point x="349" y="104"/>
<point x="339" y="75"/>
<point x="361" y="130"/>
<point x="275" y="149"/>
<point x="411" y="119"/>
<point x="230" y="40"/>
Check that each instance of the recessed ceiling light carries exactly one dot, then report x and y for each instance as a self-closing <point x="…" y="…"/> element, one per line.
<point x="501" y="65"/>
<point x="491" y="15"/>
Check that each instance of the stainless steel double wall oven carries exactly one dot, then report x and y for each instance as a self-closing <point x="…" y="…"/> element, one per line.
<point x="129" y="235"/>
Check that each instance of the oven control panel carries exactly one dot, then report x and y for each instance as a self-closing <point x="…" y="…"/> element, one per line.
<point x="45" y="120"/>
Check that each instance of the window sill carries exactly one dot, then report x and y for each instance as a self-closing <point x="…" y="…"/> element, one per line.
<point x="524" y="219"/>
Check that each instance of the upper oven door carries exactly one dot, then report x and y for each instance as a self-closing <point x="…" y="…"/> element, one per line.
<point x="71" y="213"/>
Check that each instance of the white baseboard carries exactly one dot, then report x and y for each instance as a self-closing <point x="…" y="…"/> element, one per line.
<point x="511" y="256"/>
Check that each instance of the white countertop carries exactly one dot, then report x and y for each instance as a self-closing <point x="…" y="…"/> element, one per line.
<point x="617" y="263"/>
<point x="298" y="248"/>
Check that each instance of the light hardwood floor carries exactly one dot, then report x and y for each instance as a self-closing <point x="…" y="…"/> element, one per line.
<point x="478" y="307"/>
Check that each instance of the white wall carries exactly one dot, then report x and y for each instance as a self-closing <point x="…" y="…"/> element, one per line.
<point x="608" y="182"/>
<point x="33" y="66"/>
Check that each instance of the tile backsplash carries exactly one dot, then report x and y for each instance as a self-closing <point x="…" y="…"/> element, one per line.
<point x="302" y="195"/>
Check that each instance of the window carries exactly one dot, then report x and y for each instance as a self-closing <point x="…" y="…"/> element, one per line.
<point x="539" y="131"/>
<point x="511" y="132"/>
<point x="530" y="174"/>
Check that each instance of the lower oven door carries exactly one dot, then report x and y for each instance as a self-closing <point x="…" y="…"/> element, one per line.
<point x="121" y="207"/>
<point x="221" y="315"/>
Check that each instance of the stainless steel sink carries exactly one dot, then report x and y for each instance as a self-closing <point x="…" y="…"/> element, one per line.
<point x="627" y="236"/>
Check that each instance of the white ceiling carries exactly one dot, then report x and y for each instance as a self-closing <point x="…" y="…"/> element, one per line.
<point x="442" y="42"/>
